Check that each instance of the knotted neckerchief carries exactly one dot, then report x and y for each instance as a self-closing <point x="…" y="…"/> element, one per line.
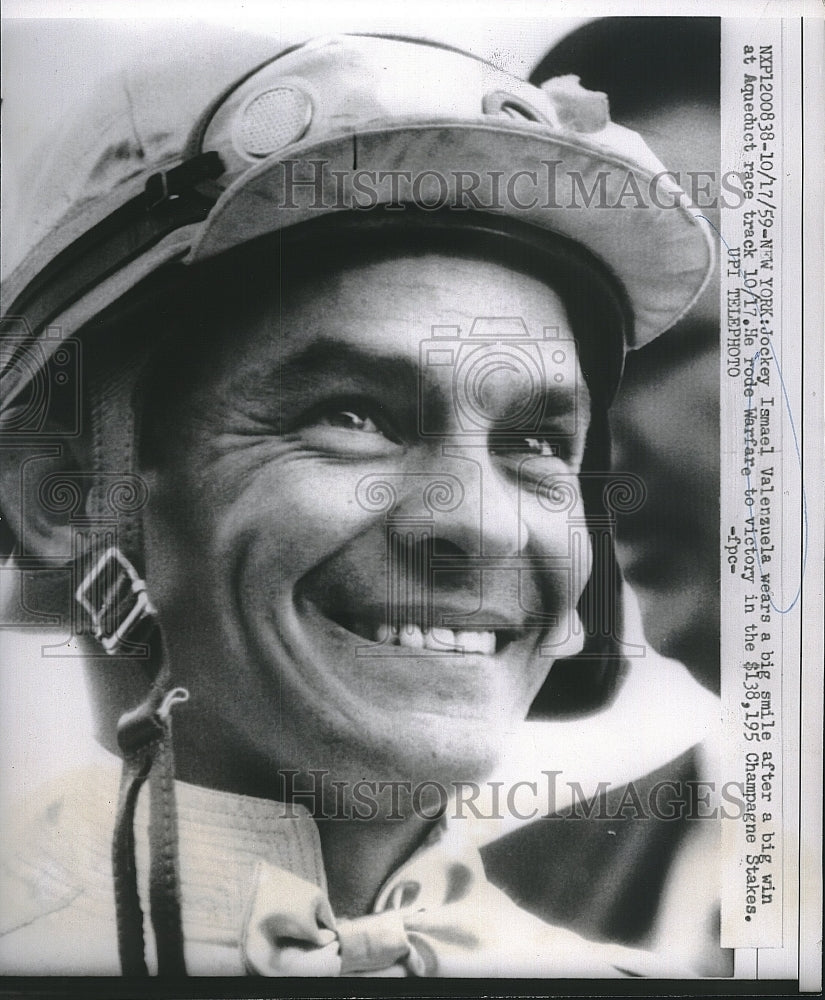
<point x="437" y="916"/>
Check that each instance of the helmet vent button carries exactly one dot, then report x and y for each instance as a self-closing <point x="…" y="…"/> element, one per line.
<point x="272" y="119"/>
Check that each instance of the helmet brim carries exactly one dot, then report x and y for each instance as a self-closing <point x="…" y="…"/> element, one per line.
<point x="661" y="254"/>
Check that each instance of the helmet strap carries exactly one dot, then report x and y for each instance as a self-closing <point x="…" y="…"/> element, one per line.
<point x="113" y="593"/>
<point x="145" y="738"/>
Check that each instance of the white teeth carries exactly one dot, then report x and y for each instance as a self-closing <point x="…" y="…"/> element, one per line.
<point x="411" y="636"/>
<point x="477" y="642"/>
<point x="438" y="639"/>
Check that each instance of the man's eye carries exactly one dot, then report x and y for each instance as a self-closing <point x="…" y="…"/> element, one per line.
<point x="528" y="447"/>
<point x="534" y="457"/>
<point x="541" y="447"/>
<point x="350" y="420"/>
<point x="348" y="428"/>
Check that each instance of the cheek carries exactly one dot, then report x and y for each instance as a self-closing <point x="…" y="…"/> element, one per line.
<point x="226" y="504"/>
<point x="557" y="529"/>
<point x="292" y="515"/>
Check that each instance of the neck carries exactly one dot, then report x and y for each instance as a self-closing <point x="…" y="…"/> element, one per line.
<point x="360" y="856"/>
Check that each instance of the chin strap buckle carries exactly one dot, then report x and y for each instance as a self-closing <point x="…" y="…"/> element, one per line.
<point x="114" y="596"/>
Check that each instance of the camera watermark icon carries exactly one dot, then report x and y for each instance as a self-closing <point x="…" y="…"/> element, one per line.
<point x="41" y="382"/>
<point x="421" y="570"/>
<point x="494" y="351"/>
<point x="424" y="564"/>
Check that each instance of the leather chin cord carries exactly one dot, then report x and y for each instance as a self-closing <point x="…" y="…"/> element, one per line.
<point x="113" y="595"/>
<point x="144" y="735"/>
<point x="145" y="738"/>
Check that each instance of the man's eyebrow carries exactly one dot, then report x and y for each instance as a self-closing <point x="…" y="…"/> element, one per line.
<point x="342" y="367"/>
<point x="283" y="379"/>
<point x="346" y="363"/>
<point x="560" y="399"/>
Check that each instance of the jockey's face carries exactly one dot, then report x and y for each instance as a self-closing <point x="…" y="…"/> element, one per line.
<point x="366" y="540"/>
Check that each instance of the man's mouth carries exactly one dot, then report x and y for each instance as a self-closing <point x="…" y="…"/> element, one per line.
<point x="485" y="642"/>
<point x="416" y="631"/>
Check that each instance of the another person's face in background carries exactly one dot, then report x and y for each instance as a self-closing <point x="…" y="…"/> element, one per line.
<point x="665" y="426"/>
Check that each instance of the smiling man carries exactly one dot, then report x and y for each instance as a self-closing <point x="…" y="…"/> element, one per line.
<point x="257" y="479"/>
<point x="335" y="500"/>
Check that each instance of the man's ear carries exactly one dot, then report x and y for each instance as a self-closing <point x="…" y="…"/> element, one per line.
<point x="43" y="489"/>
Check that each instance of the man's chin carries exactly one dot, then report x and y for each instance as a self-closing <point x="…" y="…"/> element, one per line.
<point x="420" y="750"/>
<point x="366" y="710"/>
<point x="416" y="738"/>
<point x="382" y="735"/>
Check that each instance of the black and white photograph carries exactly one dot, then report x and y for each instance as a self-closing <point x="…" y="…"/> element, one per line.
<point x="411" y="497"/>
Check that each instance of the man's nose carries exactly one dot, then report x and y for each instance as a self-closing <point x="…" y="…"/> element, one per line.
<point x="487" y="521"/>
